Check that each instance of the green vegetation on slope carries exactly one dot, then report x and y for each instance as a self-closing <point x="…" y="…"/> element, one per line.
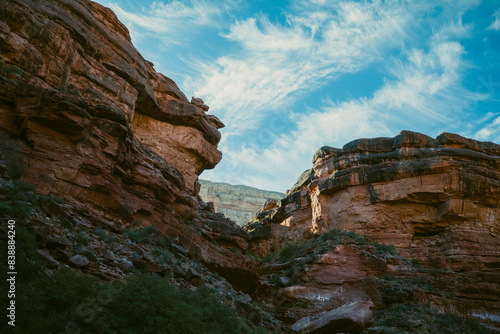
<point x="415" y="318"/>
<point x="144" y="303"/>
<point x="66" y="302"/>
<point x="324" y="242"/>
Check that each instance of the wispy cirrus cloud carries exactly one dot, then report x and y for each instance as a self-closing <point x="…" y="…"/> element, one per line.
<point x="491" y="130"/>
<point x="174" y="19"/>
<point x="418" y="97"/>
<point x="496" y="24"/>
<point x="279" y="62"/>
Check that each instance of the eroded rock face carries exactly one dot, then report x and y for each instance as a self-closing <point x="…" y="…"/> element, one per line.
<point x="412" y="191"/>
<point x="79" y="48"/>
<point x="238" y="203"/>
<point x="437" y="200"/>
<point x="95" y="124"/>
<point x="348" y="318"/>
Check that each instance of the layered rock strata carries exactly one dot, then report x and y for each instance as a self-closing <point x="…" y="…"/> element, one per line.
<point x="236" y="202"/>
<point x="78" y="51"/>
<point x="436" y="199"/>
<point x="95" y="124"/>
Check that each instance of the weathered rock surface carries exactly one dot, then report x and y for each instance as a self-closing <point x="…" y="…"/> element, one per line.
<point x="238" y="203"/>
<point x="79" y="260"/>
<point x="79" y="48"/>
<point x="437" y="200"/>
<point x="348" y="318"/>
<point x="95" y="124"/>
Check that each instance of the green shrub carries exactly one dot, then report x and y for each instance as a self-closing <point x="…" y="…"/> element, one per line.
<point x="5" y="209"/>
<point x="66" y="222"/>
<point x="21" y="197"/>
<point x="415" y="263"/>
<point x="149" y="304"/>
<point x="101" y="234"/>
<point x="428" y="287"/>
<point x="290" y="251"/>
<point x="447" y="319"/>
<point x="384" y="249"/>
<point x="21" y="210"/>
<point x="22" y="191"/>
<point x="360" y="239"/>
<point x="268" y="258"/>
<point x="90" y="255"/>
<point x="48" y="304"/>
<point x="164" y="256"/>
<point x="58" y="199"/>
<point x="337" y="236"/>
<point x="141" y="235"/>
<point x="104" y="235"/>
<point x="82" y="239"/>
<point x="143" y="304"/>
<point x="11" y="69"/>
<point x="275" y="279"/>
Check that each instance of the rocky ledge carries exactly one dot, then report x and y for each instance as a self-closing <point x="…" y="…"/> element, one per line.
<point x="436" y="199"/>
<point x="84" y="117"/>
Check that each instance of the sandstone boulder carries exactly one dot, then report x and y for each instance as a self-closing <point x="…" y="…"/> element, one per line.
<point x="79" y="260"/>
<point x="348" y="318"/>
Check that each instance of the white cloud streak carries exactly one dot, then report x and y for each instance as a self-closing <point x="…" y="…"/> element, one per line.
<point x="496" y="24"/>
<point x="175" y="19"/>
<point x="490" y="131"/>
<point x="419" y="97"/>
<point x="271" y="65"/>
<point x="280" y="62"/>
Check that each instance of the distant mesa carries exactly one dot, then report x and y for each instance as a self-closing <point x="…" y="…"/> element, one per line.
<point x="237" y="202"/>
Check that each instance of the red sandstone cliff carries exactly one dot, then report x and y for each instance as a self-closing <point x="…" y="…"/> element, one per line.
<point x="98" y="126"/>
<point x="437" y="200"/>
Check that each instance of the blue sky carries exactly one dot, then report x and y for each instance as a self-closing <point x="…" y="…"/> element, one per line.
<point x="287" y="77"/>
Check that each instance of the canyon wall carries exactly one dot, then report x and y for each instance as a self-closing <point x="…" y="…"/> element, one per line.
<point x="238" y="203"/>
<point x="95" y="124"/>
<point x="413" y="191"/>
<point x="436" y="199"/>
